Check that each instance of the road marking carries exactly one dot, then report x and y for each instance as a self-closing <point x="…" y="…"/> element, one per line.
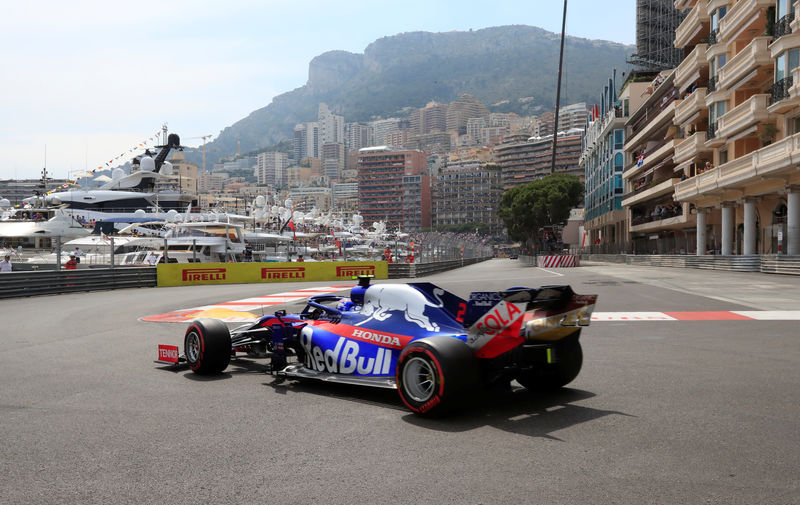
<point x="238" y="311"/>
<point x="713" y="315"/>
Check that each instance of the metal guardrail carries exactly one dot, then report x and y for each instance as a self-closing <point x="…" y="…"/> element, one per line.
<point x="412" y="270"/>
<point x="765" y="263"/>
<point x="18" y="284"/>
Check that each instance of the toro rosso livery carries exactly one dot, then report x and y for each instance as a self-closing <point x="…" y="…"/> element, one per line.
<point x="431" y="345"/>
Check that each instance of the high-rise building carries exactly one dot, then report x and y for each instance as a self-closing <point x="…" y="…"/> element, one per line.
<point x="458" y="112"/>
<point x="306" y="141"/>
<point x="381" y="191"/>
<point x="271" y="169"/>
<point x="333" y="160"/>
<point x="331" y="126"/>
<point x="431" y="118"/>
<point x="474" y="127"/>
<point x="523" y="161"/>
<point x="467" y="192"/>
<point x="381" y="127"/>
<point x="356" y="136"/>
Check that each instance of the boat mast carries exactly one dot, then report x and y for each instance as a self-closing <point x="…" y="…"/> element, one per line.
<point x="558" y="89"/>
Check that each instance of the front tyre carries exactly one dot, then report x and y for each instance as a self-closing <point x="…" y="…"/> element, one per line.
<point x="551" y="376"/>
<point x="434" y="374"/>
<point x="207" y="345"/>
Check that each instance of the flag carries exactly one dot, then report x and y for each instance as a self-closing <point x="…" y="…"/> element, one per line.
<point x="640" y="160"/>
<point x="291" y="225"/>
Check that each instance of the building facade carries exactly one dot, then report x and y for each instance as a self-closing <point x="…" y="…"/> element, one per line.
<point x="522" y="161"/>
<point x="271" y="169"/>
<point x="381" y="192"/>
<point x="741" y="155"/>
<point x="603" y="160"/>
<point x="468" y="192"/>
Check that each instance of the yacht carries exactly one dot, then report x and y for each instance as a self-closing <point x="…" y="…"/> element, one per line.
<point x="195" y="242"/>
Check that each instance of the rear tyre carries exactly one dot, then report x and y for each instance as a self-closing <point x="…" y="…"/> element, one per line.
<point x="551" y="376"/>
<point x="207" y="345"/>
<point x="435" y="374"/>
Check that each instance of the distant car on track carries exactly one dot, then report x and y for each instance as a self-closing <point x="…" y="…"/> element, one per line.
<point x="431" y="345"/>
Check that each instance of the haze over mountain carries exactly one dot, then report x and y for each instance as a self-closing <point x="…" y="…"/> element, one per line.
<point x="498" y="65"/>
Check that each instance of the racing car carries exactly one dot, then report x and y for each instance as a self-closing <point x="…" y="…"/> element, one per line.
<point x="431" y="345"/>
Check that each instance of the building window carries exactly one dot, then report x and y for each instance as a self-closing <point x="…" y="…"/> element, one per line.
<point x="723" y="156"/>
<point x="619" y="139"/>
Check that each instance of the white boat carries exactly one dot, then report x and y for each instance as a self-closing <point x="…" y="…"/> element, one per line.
<point x="27" y="225"/>
<point x="200" y="242"/>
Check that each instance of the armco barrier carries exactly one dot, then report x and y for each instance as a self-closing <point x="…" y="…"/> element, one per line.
<point x="47" y="282"/>
<point x="412" y="270"/>
<point x="189" y="274"/>
<point x="766" y="263"/>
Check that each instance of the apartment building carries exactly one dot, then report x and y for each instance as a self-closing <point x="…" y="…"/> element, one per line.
<point x="603" y="161"/>
<point x="271" y="169"/>
<point x="381" y="192"/>
<point x="467" y="192"/>
<point x="523" y="160"/>
<point x="741" y="153"/>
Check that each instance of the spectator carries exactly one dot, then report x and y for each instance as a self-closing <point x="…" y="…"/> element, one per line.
<point x="300" y="258"/>
<point x="77" y="253"/>
<point x="5" y="265"/>
<point x="72" y="264"/>
<point x="152" y="259"/>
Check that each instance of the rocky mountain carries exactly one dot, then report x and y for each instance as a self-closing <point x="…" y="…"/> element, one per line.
<point x="499" y="66"/>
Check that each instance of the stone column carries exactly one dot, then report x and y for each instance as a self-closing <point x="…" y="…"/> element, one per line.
<point x="728" y="225"/>
<point x="749" y="246"/>
<point x="793" y="221"/>
<point x="701" y="232"/>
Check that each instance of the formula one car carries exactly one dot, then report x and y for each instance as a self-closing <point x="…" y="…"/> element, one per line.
<point x="431" y="345"/>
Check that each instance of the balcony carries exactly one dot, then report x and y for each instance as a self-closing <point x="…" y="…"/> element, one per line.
<point x="651" y="160"/>
<point x="690" y="105"/>
<point x="743" y="15"/>
<point x="650" y="224"/>
<point x="689" y="69"/>
<point x="780" y="96"/>
<point x="682" y="5"/>
<point x="690" y="147"/>
<point x="751" y="63"/>
<point x="749" y="113"/>
<point x="783" y="26"/>
<point x="794" y="89"/>
<point x="776" y="161"/>
<point x="643" y="195"/>
<point x="663" y="117"/>
<point x="693" y="26"/>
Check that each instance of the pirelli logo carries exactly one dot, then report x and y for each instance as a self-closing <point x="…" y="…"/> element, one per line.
<point x="350" y="271"/>
<point x="203" y="274"/>
<point x="283" y="273"/>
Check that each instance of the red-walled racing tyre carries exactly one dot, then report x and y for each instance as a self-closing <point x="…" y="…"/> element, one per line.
<point x="207" y="346"/>
<point x="434" y="374"/>
<point x="548" y="377"/>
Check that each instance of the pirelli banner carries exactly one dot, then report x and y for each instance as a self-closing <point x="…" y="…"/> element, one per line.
<point x="187" y="274"/>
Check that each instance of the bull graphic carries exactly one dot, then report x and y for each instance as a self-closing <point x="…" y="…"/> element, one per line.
<point x="380" y="301"/>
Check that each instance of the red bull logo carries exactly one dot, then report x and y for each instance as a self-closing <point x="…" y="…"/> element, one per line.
<point x="203" y="274"/>
<point x="352" y="271"/>
<point x="283" y="273"/>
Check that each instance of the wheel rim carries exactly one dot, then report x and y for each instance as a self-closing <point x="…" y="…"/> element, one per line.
<point x="419" y="379"/>
<point x="192" y="347"/>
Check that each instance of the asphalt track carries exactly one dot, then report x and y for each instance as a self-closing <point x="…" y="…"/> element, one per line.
<point x="663" y="412"/>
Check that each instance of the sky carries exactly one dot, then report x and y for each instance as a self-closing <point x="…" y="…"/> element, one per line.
<point x="86" y="81"/>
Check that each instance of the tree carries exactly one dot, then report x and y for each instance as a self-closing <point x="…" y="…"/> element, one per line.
<point x="526" y="210"/>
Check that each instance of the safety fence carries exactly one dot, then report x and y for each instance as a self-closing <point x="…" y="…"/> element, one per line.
<point x="48" y="282"/>
<point x="412" y="270"/>
<point x="765" y="263"/>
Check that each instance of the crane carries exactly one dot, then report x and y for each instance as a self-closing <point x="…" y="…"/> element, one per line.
<point x="204" y="137"/>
